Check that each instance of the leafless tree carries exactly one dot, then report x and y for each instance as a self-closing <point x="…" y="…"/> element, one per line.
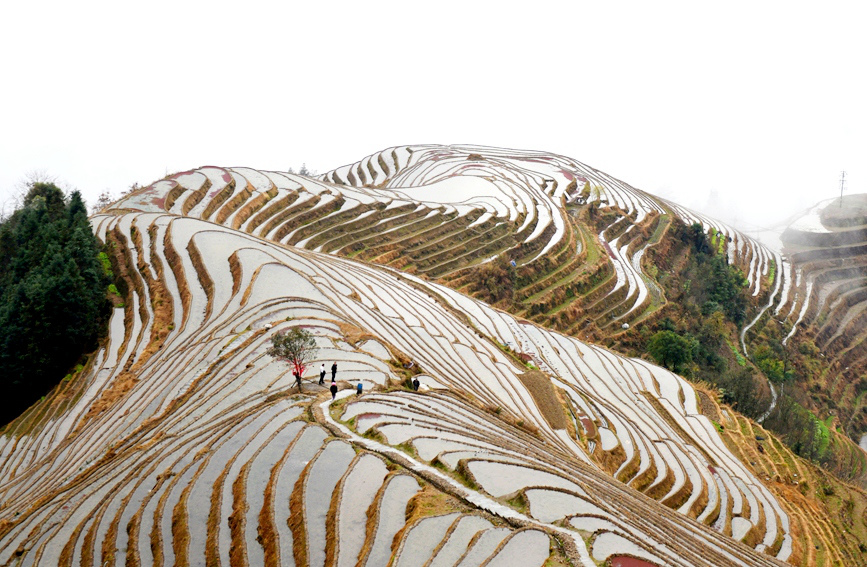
<point x="104" y="200"/>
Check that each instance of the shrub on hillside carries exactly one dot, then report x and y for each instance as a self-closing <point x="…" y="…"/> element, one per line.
<point x="709" y="282"/>
<point x="769" y="363"/>
<point x="741" y="391"/>
<point x="496" y="282"/>
<point x="806" y="435"/>
<point x="725" y="287"/>
<point x="672" y="350"/>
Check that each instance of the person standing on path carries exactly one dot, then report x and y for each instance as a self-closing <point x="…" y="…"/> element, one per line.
<point x="322" y="375"/>
<point x="415" y="384"/>
<point x="334" y="371"/>
<point x="333" y="390"/>
<point x="359" y="388"/>
<point x="297" y="379"/>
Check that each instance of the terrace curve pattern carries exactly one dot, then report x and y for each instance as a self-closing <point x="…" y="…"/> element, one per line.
<point x="183" y="443"/>
<point x="444" y="212"/>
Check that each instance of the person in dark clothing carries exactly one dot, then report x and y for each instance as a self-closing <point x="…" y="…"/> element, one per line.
<point x="359" y="388"/>
<point x="415" y="384"/>
<point x="333" y="390"/>
<point x="322" y="375"/>
<point x="333" y="371"/>
<point x="297" y="379"/>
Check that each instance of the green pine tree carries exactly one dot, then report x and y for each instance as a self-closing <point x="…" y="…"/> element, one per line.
<point x="52" y="294"/>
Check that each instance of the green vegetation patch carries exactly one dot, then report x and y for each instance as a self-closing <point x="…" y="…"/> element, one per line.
<point x="737" y="354"/>
<point x="106" y="265"/>
<point x="671" y="350"/>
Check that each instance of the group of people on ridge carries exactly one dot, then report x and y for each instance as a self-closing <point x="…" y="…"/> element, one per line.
<point x="333" y="388"/>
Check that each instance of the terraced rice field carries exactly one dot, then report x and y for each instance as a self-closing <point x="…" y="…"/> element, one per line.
<point x="821" y="312"/>
<point x="827" y="246"/>
<point x="446" y="212"/>
<point x="183" y="443"/>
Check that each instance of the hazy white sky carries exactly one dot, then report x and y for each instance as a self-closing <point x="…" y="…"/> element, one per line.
<point x="747" y="109"/>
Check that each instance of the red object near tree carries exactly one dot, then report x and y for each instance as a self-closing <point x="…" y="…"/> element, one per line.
<point x="294" y="346"/>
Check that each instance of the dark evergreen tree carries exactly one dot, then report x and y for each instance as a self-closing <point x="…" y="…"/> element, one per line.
<point x="52" y="294"/>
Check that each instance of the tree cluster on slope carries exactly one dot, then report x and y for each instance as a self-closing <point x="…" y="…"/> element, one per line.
<point x="708" y="303"/>
<point x="698" y="337"/>
<point x="712" y="284"/>
<point x="52" y="294"/>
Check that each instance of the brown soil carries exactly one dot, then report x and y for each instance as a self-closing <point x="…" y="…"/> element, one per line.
<point x="240" y="198"/>
<point x="219" y="199"/>
<point x="180" y="529"/>
<point x="202" y="273"/>
<point x="707" y="407"/>
<point x="236" y="271"/>
<point x="176" y="266"/>
<point x="663" y="413"/>
<point x="161" y="306"/>
<point x="253" y="206"/>
<point x="354" y="334"/>
<point x="296" y="519"/>
<point x="267" y="531"/>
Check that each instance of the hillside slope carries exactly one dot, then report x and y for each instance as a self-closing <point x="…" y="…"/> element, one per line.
<point x="444" y="212"/>
<point x="828" y="247"/>
<point x="183" y="441"/>
<point x="542" y="236"/>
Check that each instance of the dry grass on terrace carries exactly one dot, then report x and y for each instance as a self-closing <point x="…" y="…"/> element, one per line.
<point x="542" y="390"/>
<point x="432" y="502"/>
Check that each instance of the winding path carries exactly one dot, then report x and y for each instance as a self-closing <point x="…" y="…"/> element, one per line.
<point x="453" y="487"/>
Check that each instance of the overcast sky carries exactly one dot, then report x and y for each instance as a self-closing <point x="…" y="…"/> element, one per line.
<point x="739" y="109"/>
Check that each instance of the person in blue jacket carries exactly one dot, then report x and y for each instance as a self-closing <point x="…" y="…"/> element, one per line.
<point x="359" y="388"/>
